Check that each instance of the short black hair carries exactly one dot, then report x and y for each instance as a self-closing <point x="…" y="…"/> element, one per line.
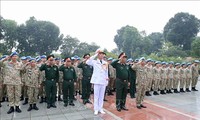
<point x="50" y="56"/>
<point x="121" y="55"/>
<point x="86" y="55"/>
<point x="67" y="58"/>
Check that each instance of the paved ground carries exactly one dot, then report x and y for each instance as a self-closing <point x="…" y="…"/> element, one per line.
<point x="183" y="106"/>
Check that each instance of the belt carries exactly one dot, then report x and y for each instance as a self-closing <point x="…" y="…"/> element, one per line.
<point x="122" y="80"/>
<point x="69" y="80"/>
<point x="86" y="77"/>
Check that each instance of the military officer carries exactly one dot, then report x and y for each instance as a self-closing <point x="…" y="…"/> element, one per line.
<point x="32" y="82"/>
<point x="195" y="74"/>
<point x="156" y="77"/>
<point x="149" y="70"/>
<point x="170" y="77"/>
<point x="87" y="74"/>
<point x="52" y="77"/>
<point x="112" y="76"/>
<point x="163" y="80"/>
<point x="69" y="79"/>
<point x="188" y="77"/>
<point x="182" y="77"/>
<point x="122" y="81"/>
<point x="13" y="82"/>
<point x="141" y="72"/>
<point x="132" y="79"/>
<point x="58" y="64"/>
<point x="99" y="79"/>
<point x="176" y="77"/>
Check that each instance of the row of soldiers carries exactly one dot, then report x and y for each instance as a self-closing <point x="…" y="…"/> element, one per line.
<point x="157" y="76"/>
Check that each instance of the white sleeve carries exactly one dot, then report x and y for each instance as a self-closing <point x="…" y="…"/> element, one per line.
<point x="90" y="61"/>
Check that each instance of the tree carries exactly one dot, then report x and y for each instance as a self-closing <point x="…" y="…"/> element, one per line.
<point x="8" y="34"/>
<point x="157" y="41"/>
<point x="128" y="39"/>
<point x="39" y="37"/>
<point x="196" y="47"/>
<point x="181" y="28"/>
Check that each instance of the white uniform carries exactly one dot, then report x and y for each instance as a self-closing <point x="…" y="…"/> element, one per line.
<point x="99" y="79"/>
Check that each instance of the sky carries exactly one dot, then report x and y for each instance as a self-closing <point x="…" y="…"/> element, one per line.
<point x="98" y="21"/>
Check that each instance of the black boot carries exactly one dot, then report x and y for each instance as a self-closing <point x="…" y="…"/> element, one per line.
<point x="187" y="90"/>
<point x="0" y="104"/>
<point x="35" y="107"/>
<point x="181" y="90"/>
<point x="147" y="93"/>
<point x="155" y="93"/>
<point x="59" y="98"/>
<point x="45" y="99"/>
<point x="21" y="98"/>
<point x="25" y="101"/>
<point x="11" y="110"/>
<point x="17" y="109"/>
<point x="161" y="92"/>
<point x="194" y="89"/>
<point x="41" y="100"/>
<point x="170" y="91"/>
<point x="176" y="91"/>
<point x="30" y="107"/>
<point x="164" y="92"/>
<point x="3" y="99"/>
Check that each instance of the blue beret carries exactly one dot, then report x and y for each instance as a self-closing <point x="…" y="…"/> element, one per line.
<point x="4" y="56"/>
<point x="72" y="58"/>
<point x="28" y="57"/>
<point x="43" y="56"/>
<point x="142" y="58"/>
<point x="32" y="59"/>
<point x="57" y="58"/>
<point x="130" y="60"/>
<point x="196" y="61"/>
<point x="177" y="64"/>
<point x="148" y="60"/>
<point x="38" y="59"/>
<point x="189" y="64"/>
<point x="171" y="62"/>
<point x="110" y="59"/>
<point x="136" y="60"/>
<point x="163" y="63"/>
<point x="23" y="58"/>
<point x="14" y="53"/>
<point x="76" y="57"/>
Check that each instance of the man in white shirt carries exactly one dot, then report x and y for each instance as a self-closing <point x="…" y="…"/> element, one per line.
<point x="99" y="79"/>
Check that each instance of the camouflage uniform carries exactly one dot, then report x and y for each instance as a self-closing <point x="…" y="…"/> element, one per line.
<point x="163" y="79"/>
<point x="42" y="93"/>
<point x="188" y="77"/>
<point x="170" y="79"/>
<point x="24" y="87"/>
<point x="78" y="86"/>
<point x="1" y="83"/>
<point x="12" y="79"/>
<point x="32" y="82"/>
<point x="141" y="77"/>
<point x="112" y="77"/>
<point x="182" y="78"/>
<point x="195" y="75"/>
<point x="176" y="79"/>
<point x="156" y="78"/>
<point x="149" y="70"/>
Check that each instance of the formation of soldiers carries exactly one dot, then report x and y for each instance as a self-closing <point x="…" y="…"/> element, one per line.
<point x="50" y="79"/>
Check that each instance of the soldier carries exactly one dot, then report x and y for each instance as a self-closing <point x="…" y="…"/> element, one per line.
<point x="52" y="77"/>
<point x="170" y="77"/>
<point x="1" y="83"/>
<point x="149" y="70"/>
<point x="69" y="79"/>
<point x="24" y="77"/>
<point x="99" y="79"/>
<point x="163" y="78"/>
<point x="132" y="78"/>
<point x="87" y="74"/>
<point x="156" y="77"/>
<point x="42" y="94"/>
<point x="176" y="77"/>
<point x="32" y="82"/>
<point x="112" y="76"/>
<point x="122" y="81"/>
<point x="12" y="79"/>
<point x="182" y="77"/>
<point x="141" y="82"/>
<point x="58" y="64"/>
<point x="195" y="74"/>
<point x="188" y="77"/>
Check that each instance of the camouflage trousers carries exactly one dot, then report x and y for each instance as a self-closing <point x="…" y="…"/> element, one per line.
<point x="169" y="84"/>
<point x="149" y="84"/>
<point x="194" y="81"/>
<point x="1" y="91"/>
<point x="32" y="94"/>
<point x="24" y="91"/>
<point x="111" y="83"/>
<point x="163" y="84"/>
<point x="42" y="92"/>
<point x="78" y="86"/>
<point x="182" y="82"/>
<point x="141" y="89"/>
<point x="188" y="82"/>
<point x="155" y="84"/>
<point x="60" y="92"/>
<point x="176" y="83"/>
<point x="14" y="93"/>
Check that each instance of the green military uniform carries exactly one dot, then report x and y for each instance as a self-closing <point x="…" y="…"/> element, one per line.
<point x="86" y="85"/>
<point x="122" y="79"/>
<point x="52" y="77"/>
<point x="132" y="83"/>
<point x="69" y="77"/>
